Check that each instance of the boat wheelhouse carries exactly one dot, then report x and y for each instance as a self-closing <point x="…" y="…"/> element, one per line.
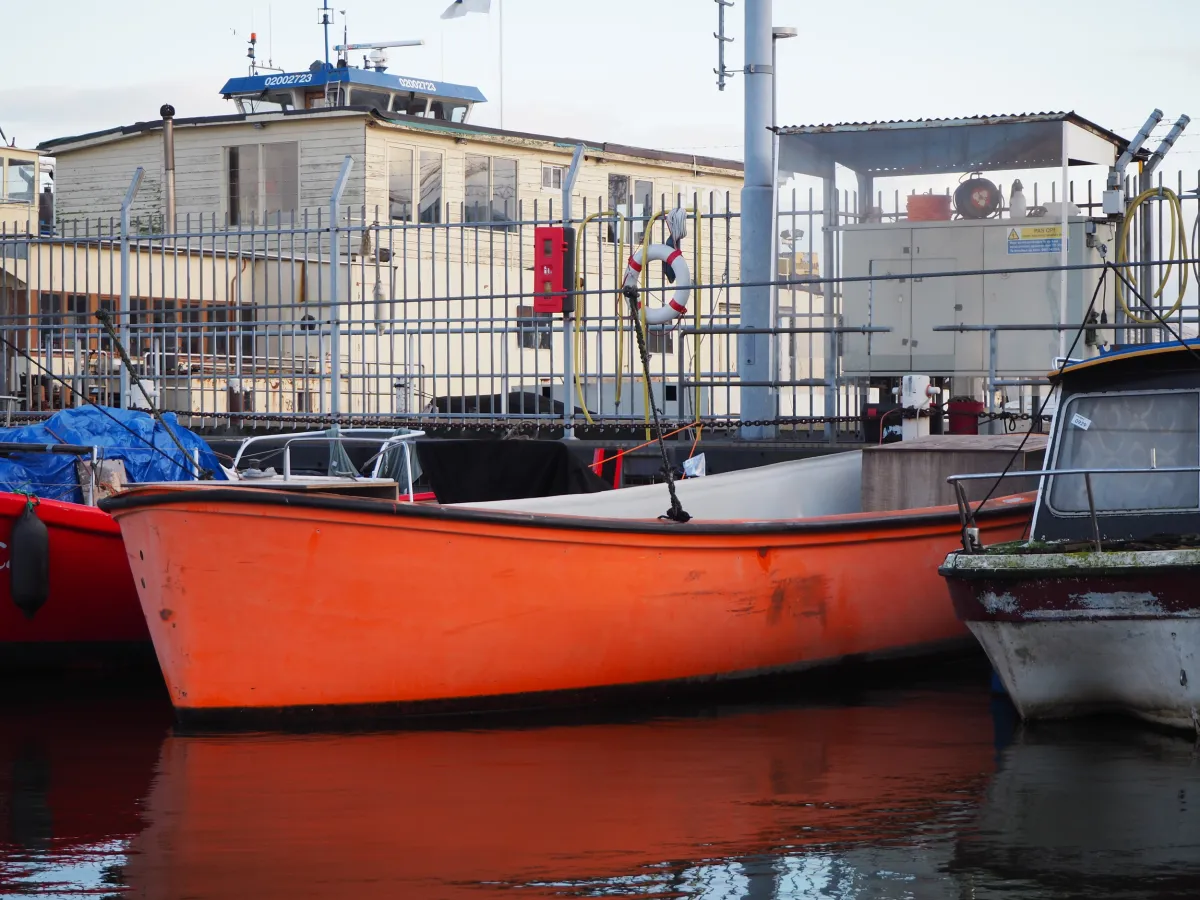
<point x="1098" y="610"/>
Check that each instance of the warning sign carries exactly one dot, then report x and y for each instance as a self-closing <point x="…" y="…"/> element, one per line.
<point x="1035" y="239"/>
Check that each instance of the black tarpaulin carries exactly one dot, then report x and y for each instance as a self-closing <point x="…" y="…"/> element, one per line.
<point x="478" y="471"/>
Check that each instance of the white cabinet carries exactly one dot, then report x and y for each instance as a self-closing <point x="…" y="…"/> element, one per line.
<point x="915" y="303"/>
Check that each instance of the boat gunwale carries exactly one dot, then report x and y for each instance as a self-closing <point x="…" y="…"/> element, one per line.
<point x="136" y="498"/>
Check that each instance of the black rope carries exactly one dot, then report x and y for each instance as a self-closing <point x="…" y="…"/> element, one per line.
<point x="1046" y="399"/>
<point x="676" y="513"/>
<point x="70" y="387"/>
<point x="1154" y="312"/>
<point x="106" y="321"/>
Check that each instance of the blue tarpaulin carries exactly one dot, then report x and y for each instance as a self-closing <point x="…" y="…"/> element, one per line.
<point x="52" y="475"/>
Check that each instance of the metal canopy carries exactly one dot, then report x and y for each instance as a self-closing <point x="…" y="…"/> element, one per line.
<point x="930" y="146"/>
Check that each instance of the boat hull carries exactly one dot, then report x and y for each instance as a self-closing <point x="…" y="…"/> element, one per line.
<point x="261" y="603"/>
<point x="1084" y="633"/>
<point x="92" y="614"/>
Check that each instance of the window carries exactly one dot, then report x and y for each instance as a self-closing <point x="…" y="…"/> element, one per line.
<point x="618" y="199"/>
<point x="219" y="317"/>
<point x="660" y="340"/>
<point x="77" y="316"/>
<point x="400" y="184"/>
<point x="489" y="189"/>
<point x="533" y="329"/>
<point x="1129" y="431"/>
<point x="20" y="181"/>
<point x="50" y="318"/>
<point x="552" y="177"/>
<point x="643" y="207"/>
<point x="139" y="326"/>
<point x="192" y="340"/>
<point x="281" y="179"/>
<point x="264" y="181"/>
<point x="109" y="305"/>
<point x="430" y="202"/>
<point x="166" y="317"/>
<point x="229" y="322"/>
<point x="475" y="189"/>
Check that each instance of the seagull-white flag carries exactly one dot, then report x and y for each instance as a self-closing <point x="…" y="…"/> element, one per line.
<point x="460" y="8"/>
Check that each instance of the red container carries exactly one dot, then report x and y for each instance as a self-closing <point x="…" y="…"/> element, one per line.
<point x="928" y="207"/>
<point x="963" y="414"/>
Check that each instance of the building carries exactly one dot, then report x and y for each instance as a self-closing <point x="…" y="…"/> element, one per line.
<point x="231" y="295"/>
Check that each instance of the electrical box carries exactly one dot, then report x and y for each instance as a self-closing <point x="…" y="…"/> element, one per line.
<point x="905" y="298"/>
<point x="553" y="268"/>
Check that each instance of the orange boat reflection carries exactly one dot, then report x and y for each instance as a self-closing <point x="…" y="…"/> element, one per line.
<point x="438" y="814"/>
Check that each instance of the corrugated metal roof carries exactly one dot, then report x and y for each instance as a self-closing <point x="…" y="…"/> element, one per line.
<point x="958" y="121"/>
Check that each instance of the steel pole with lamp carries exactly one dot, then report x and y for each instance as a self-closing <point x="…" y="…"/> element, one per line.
<point x="778" y="33"/>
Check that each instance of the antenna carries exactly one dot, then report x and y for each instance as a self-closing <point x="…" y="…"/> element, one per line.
<point x="325" y="19"/>
<point x="377" y="59"/>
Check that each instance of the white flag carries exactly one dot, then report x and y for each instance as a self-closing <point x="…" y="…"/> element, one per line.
<point x="460" y="8"/>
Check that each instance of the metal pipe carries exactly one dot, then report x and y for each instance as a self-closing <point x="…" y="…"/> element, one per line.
<point x="568" y="320"/>
<point x="754" y="358"/>
<point x="1087" y="481"/>
<point x="123" y="308"/>
<point x="167" y="111"/>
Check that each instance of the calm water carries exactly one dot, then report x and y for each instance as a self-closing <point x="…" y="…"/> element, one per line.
<point x="918" y="792"/>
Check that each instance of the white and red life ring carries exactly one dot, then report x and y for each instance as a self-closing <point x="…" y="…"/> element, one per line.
<point x="677" y="305"/>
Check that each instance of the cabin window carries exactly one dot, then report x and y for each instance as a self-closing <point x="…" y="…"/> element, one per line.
<point x="534" y="328"/>
<point x="264" y="182"/>
<point x="552" y="178"/>
<point x="430" y="201"/>
<point x="20" y="181"/>
<point x="375" y="99"/>
<point x="489" y="189"/>
<point x="400" y="184"/>
<point x="1138" y="430"/>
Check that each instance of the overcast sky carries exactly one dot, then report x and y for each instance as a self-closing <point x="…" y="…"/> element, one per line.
<point x="633" y="71"/>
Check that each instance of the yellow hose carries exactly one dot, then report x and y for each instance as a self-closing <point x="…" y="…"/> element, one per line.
<point x="1177" y="243"/>
<point x="576" y="333"/>
<point x="618" y="277"/>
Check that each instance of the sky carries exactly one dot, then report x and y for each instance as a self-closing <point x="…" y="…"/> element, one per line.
<point x="631" y="71"/>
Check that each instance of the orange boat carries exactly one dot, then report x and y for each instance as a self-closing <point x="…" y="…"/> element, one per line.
<point x="262" y="602"/>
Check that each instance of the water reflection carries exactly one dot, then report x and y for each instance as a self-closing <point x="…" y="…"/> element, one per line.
<point x="75" y="764"/>
<point x="903" y="795"/>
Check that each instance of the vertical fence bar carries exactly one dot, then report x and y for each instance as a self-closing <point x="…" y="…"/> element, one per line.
<point x="126" y="203"/>
<point x="335" y="340"/>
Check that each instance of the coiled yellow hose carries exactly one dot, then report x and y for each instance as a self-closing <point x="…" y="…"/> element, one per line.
<point x="1176" y="244"/>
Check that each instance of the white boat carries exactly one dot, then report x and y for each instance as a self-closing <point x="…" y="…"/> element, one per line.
<point x="1098" y="611"/>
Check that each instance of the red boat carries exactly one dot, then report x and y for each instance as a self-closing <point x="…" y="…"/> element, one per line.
<point x="92" y="611"/>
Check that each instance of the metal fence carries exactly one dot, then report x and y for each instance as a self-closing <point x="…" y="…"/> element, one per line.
<point x="345" y="314"/>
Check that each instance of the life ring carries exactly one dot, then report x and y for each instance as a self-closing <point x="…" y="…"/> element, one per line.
<point x="677" y="305"/>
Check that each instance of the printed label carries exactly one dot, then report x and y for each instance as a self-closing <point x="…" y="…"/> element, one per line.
<point x="1035" y="239"/>
<point x="1081" y="421"/>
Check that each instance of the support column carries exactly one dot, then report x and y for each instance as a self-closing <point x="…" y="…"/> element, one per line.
<point x="758" y="402"/>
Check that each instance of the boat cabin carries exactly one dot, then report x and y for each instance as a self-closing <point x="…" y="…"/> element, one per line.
<point x="324" y="86"/>
<point x="1134" y="409"/>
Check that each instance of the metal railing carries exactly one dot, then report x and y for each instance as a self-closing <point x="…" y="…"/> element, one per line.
<point x="387" y="439"/>
<point x="343" y="315"/>
<point x="970" y="531"/>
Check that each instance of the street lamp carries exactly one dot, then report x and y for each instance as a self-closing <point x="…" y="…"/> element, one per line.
<point x="778" y="33"/>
